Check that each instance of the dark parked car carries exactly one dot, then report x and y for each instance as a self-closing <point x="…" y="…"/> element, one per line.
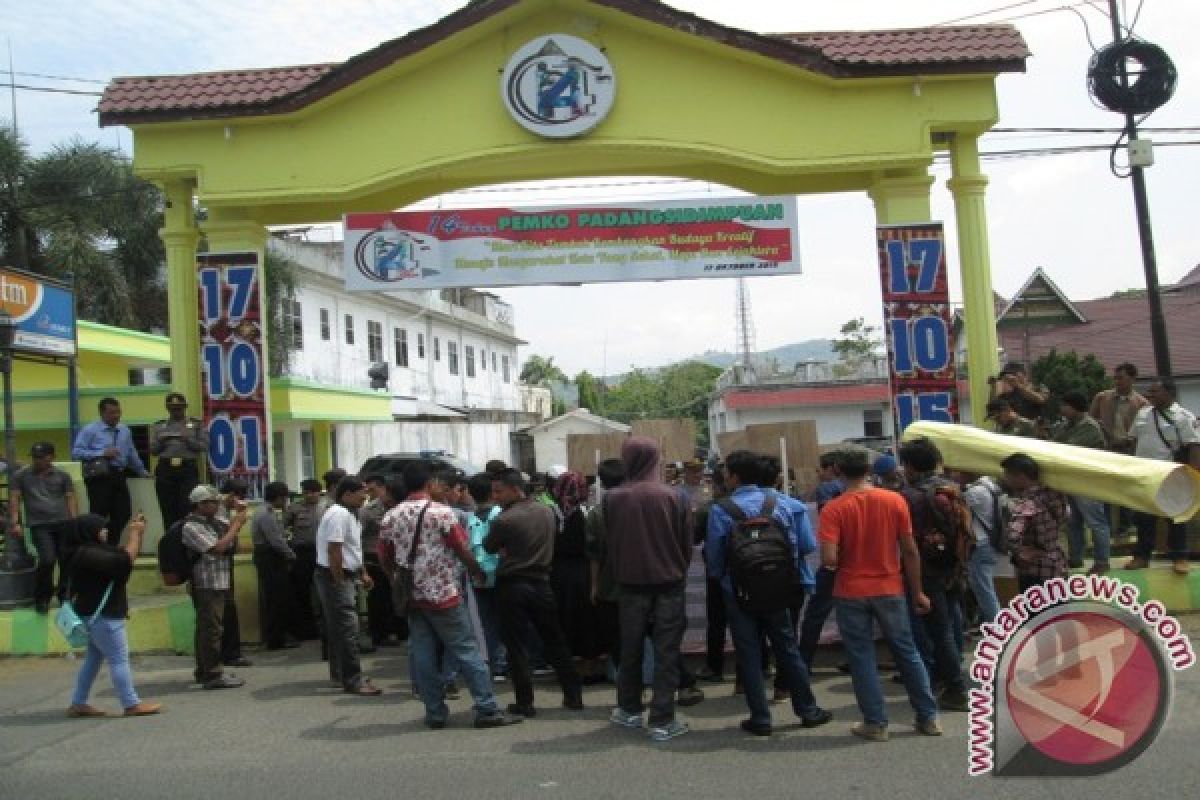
<point x="389" y="464"/>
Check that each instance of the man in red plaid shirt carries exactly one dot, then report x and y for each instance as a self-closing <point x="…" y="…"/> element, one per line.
<point x="1037" y="516"/>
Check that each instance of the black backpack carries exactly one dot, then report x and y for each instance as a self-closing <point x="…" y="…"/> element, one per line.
<point x="760" y="559"/>
<point x="175" y="560"/>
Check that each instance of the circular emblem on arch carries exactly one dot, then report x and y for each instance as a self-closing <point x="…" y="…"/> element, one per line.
<point x="558" y="86"/>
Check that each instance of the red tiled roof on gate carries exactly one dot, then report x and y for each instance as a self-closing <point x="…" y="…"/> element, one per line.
<point x="808" y="396"/>
<point x="944" y="45"/>
<point x="838" y="54"/>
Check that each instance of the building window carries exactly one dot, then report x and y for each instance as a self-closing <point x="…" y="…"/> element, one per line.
<point x="293" y="323"/>
<point x="420" y="345"/>
<point x="493" y="361"/>
<point x="349" y="329"/>
<point x="374" y="341"/>
<point x="873" y="422"/>
<point x="469" y="355"/>
<point x="308" y="462"/>
<point x="452" y="357"/>
<point x="482" y="360"/>
<point x="325" y="334"/>
<point x="437" y="349"/>
<point x="400" y="340"/>
<point x="504" y="369"/>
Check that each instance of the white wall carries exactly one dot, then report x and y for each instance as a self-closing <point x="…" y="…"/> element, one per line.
<point x="550" y="445"/>
<point x="477" y="442"/>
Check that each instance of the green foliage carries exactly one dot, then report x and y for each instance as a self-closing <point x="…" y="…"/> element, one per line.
<point x="279" y="286"/>
<point x="589" y="391"/>
<point x="79" y="212"/>
<point x="678" y="391"/>
<point x="539" y="371"/>
<point x="857" y="344"/>
<point x="1062" y="372"/>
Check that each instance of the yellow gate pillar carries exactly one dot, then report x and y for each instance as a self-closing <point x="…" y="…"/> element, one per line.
<point x="968" y="186"/>
<point x="179" y="237"/>
<point x="323" y="455"/>
<point x="901" y="197"/>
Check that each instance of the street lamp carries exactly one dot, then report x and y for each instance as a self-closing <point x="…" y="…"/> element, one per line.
<point x="8" y="332"/>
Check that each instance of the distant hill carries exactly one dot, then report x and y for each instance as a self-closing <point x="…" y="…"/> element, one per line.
<point x="786" y="355"/>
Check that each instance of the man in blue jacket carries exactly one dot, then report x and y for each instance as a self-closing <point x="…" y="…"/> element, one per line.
<point x="744" y="471"/>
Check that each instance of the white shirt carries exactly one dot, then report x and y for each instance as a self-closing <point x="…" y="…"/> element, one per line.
<point x="1179" y="428"/>
<point x="339" y="524"/>
<point x="980" y="497"/>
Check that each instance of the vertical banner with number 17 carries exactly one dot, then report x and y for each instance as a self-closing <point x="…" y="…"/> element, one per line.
<point x="918" y="322"/>
<point x="233" y="367"/>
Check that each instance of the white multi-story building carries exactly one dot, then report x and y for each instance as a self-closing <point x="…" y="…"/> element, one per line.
<point x="450" y="356"/>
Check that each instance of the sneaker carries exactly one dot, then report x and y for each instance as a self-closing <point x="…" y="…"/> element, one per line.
<point x="573" y="703"/>
<point x="1137" y="563"/>
<point x="542" y="672"/>
<point x="689" y="696"/>
<point x="818" y="719"/>
<point x="225" y="682"/>
<point x="240" y="661"/>
<point x="628" y="719"/>
<point x="143" y="709"/>
<point x="928" y="727"/>
<point x="496" y="720"/>
<point x="755" y="728"/>
<point x="709" y="676"/>
<point x="1099" y="568"/>
<point x="365" y="689"/>
<point x="951" y="700"/>
<point x="870" y="731"/>
<point x="435" y="724"/>
<point x="781" y="696"/>
<point x="451" y="690"/>
<point x="1181" y="566"/>
<point x="517" y="709"/>
<point x="672" y="729"/>
<point x="499" y="677"/>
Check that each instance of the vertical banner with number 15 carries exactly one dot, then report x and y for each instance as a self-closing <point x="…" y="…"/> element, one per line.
<point x="233" y="367"/>
<point x="918" y="322"/>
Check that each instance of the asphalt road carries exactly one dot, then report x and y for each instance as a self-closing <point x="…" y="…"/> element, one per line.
<point x="288" y="735"/>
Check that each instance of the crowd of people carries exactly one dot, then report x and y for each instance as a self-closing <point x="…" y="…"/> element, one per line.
<point x="496" y="578"/>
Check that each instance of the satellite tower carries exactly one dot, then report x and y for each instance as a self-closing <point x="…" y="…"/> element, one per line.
<point x="745" y="334"/>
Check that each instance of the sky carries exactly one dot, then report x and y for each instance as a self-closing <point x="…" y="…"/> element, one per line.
<point x="1067" y="214"/>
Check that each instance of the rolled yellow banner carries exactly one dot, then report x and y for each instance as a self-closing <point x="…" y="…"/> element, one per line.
<point x="1162" y="488"/>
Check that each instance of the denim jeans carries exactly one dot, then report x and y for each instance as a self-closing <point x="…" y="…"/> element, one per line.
<point x="820" y="604"/>
<point x="1095" y="514"/>
<point x="489" y="617"/>
<point x="106" y="642"/>
<point x="339" y="609"/>
<point x="452" y="628"/>
<point x="1147" y="527"/>
<point x="945" y="652"/>
<point x="981" y="574"/>
<point x="855" y="618"/>
<point x="662" y="614"/>
<point x="748" y="632"/>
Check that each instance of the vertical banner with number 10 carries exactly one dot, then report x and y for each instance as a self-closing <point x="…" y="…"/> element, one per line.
<point x="918" y="322"/>
<point x="233" y="367"/>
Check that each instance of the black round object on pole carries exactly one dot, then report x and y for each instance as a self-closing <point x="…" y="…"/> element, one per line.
<point x="1137" y="90"/>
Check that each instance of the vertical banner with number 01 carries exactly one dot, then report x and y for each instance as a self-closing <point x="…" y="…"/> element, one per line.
<point x="918" y="322"/>
<point x="233" y="367"/>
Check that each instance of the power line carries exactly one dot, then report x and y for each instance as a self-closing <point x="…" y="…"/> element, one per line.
<point x="1164" y="129"/>
<point x="989" y="12"/>
<point x="60" y="78"/>
<point x="54" y="90"/>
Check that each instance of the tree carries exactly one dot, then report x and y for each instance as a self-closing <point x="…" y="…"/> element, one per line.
<point x="678" y="391"/>
<point x="589" y="391"/>
<point x="539" y="371"/>
<point x="1063" y="372"/>
<point x="279" y="279"/>
<point x="79" y="212"/>
<point x="858" y="344"/>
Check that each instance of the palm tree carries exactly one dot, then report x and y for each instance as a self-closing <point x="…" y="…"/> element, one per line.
<point x="539" y="371"/>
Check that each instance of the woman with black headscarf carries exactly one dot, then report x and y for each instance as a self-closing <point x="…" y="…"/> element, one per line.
<point x="93" y="566"/>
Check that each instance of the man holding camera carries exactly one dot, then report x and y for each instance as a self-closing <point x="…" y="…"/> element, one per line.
<point x="215" y="541"/>
<point x="1014" y="386"/>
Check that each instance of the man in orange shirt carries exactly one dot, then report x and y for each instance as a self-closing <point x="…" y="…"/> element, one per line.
<point x="865" y="536"/>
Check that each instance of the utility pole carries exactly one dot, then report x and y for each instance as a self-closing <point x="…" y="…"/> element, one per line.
<point x="1158" y="324"/>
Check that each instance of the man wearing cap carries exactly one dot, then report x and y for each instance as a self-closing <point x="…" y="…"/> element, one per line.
<point x="214" y="540"/>
<point x="49" y="496"/>
<point x="180" y="442"/>
<point x="106" y="449"/>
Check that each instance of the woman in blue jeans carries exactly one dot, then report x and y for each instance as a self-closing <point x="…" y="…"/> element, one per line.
<point x="98" y="573"/>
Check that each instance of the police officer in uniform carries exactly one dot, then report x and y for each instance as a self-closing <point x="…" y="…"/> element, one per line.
<point x="180" y="442"/>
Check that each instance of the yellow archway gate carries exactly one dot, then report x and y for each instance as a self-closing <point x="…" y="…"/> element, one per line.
<point x="420" y="115"/>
